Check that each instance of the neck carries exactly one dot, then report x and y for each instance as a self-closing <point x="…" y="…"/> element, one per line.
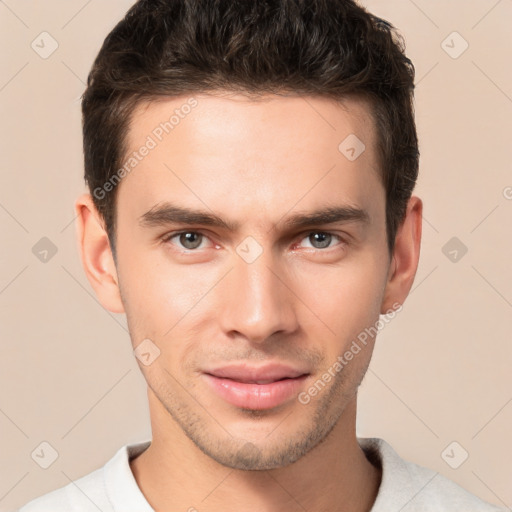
<point x="174" y="475"/>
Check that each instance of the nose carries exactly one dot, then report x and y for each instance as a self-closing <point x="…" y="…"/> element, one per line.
<point x="257" y="301"/>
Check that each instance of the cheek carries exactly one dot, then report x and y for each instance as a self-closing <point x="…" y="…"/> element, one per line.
<point x="345" y="298"/>
<point x="159" y="297"/>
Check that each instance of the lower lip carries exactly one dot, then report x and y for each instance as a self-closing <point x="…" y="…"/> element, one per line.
<point x="255" y="396"/>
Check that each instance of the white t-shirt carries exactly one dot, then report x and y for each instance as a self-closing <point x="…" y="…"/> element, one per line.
<point x="405" y="487"/>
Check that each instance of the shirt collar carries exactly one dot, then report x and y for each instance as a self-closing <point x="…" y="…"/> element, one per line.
<point x="122" y="489"/>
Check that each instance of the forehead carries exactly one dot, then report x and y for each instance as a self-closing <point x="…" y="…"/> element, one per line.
<point x="241" y="116"/>
<point x="261" y="153"/>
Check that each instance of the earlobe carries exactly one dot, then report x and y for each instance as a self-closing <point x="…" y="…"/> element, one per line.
<point x="96" y="254"/>
<point x="405" y="258"/>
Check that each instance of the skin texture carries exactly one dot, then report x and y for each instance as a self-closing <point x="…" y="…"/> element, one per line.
<point x="254" y="162"/>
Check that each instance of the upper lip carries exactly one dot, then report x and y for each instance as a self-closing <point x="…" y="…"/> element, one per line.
<point x="246" y="373"/>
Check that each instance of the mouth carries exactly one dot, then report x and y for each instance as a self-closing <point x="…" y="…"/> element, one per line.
<point x="256" y="388"/>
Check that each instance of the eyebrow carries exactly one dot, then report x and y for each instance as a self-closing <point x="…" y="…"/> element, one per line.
<point x="167" y="213"/>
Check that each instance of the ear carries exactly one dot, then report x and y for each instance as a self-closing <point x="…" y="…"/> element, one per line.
<point x="405" y="257"/>
<point x="96" y="254"/>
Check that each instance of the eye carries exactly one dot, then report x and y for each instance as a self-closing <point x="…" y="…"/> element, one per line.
<point x="189" y="240"/>
<point x="194" y="240"/>
<point x="321" y="239"/>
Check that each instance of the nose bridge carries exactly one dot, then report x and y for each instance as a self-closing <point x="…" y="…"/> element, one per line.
<point x="257" y="303"/>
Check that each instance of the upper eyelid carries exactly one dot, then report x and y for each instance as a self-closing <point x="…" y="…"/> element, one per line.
<point x="172" y="234"/>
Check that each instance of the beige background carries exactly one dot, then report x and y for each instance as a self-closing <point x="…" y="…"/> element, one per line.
<point x="441" y="370"/>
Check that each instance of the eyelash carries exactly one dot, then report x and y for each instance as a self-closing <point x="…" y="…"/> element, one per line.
<point x="169" y="236"/>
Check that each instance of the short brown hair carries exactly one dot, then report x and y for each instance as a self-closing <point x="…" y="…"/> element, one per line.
<point x="327" y="48"/>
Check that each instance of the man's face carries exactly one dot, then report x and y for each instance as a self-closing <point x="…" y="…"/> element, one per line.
<point x="233" y="308"/>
